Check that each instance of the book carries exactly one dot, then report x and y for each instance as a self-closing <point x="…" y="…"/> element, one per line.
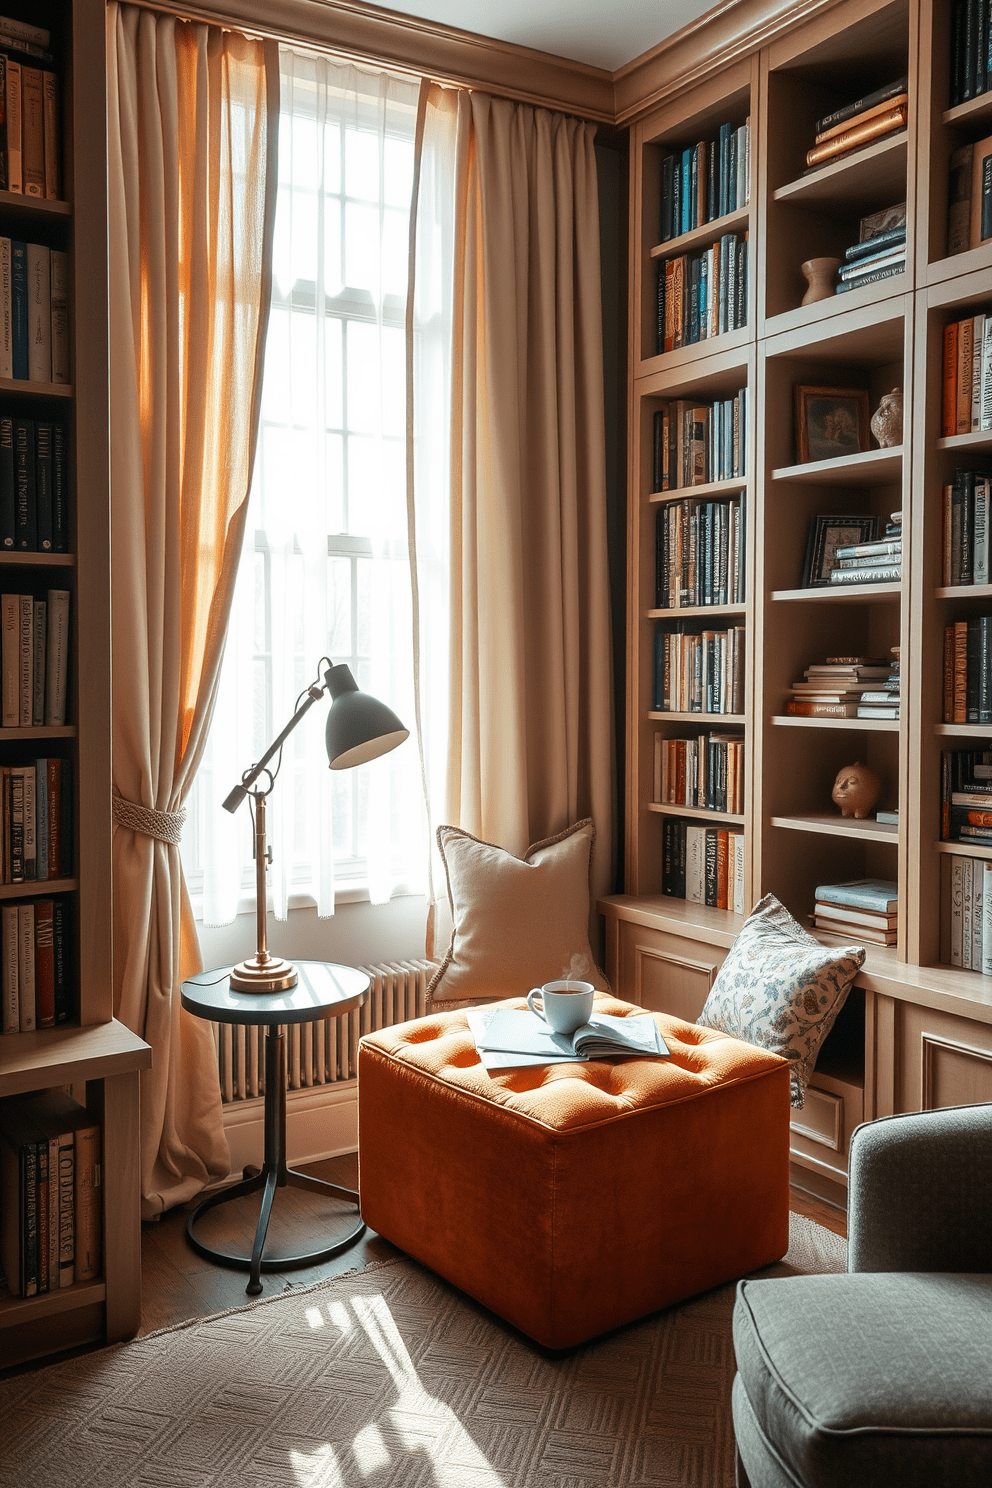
<point x="15" y="170"/>
<point x="869" y="919"/>
<point x="855" y="932"/>
<point x="33" y="131"/>
<point x="25" y="967"/>
<point x="863" y="115"/>
<point x="8" y="504"/>
<point x="39" y="313"/>
<point x="59" y="300"/>
<point x="19" y="1141"/>
<point x="50" y="120"/>
<point x="869" y="101"/>
<point x="8" y="968"/>
<point x="6" y="306"/>
<point x="44" y="963"/>
<point x="878" y="894"/>
<point x="858" y="134"/>
<point x="800" y="709"/>
<point x="959" y="186"/>
<point x="890" y="574"/>
<point x="10" y="610"/>
<point x="57" y="659"/>
<point x="871" y="247"/>
<point x="19" y="307"/>
<point x="508" y="1038"/>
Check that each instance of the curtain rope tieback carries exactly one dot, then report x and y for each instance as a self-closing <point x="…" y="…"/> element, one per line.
<point x="166" y="826"/>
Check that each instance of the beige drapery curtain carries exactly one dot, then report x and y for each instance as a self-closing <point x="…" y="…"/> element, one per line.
<point x="193" y="120"/>
<point x="530" y="732"/>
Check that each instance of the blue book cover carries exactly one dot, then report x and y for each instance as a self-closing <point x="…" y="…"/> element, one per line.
<point x="686" y="191"/>
<point x="879" y="894"/>
<point x="19" y="307"/>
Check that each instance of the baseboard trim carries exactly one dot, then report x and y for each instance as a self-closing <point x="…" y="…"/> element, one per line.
<point x="320" y="1122"/>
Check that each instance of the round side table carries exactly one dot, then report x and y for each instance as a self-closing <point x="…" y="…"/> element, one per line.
<point x="324" y="990"/>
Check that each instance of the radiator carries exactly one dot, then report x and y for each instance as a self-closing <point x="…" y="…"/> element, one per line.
<point x="324" y="1052"/>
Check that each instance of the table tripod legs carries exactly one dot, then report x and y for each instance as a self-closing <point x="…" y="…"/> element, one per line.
<point x="274" y="1174"/>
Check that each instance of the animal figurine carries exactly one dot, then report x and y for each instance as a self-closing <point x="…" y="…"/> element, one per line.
<point x="886" y="421"/>
<point x="856" y="790"/>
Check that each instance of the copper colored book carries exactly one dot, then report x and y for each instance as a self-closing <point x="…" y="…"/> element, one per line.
<point x="33" y="131"/>
<point x="859" y="134"/>
<point x="963" y="376"/>
<point x="822" y="710"/>
<point x="949" y="397"/>
<point x="847" y="125"/>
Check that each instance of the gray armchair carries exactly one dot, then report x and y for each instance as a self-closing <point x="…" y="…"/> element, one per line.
<point x="882" y="1376"/>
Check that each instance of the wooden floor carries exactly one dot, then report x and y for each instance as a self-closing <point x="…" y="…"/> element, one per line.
<point x="179" y="1286"/>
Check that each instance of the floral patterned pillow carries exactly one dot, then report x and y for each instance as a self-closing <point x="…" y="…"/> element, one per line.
<point x="781" y="989"/>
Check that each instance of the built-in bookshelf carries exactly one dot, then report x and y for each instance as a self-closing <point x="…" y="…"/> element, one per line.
<point x="917" y="1031"/>
<point x="86" y="1050"/>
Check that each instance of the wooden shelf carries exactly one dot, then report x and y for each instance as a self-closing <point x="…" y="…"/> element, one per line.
<point x="965" y="849"/>
<point x="37" y="560"/>
<point x="20" y="387"/>
<point x="964" y="591"/>
<point x="682" y="360"/>
<point x="700" y="236"/>
<point x="702" y="493"/>
<point x="61" y="1056"/>
<point x="855" y="181"/>
<point x="857" y="725"/>
<point x="38" y="888"/>
<point x="40" y="731"/>
<point x="971" y="113"/>
<point x="695" y="611"/>
<point x="964" y="730"/>
<point x="838" y="826"/>
<point x="838" y="594"/>
<point x="880" y="467"/>
<point x="709" y="720"/>
<point x="979" y="440"/>
<point x="33" y="206"/>
<point x="15" y="1310"/>
<point x="699" y="813"/>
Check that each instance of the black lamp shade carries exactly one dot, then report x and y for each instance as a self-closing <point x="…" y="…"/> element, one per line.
<point x="359" y="728"/>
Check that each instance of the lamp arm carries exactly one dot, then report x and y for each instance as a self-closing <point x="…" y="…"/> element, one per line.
<point x="237" y="795"/>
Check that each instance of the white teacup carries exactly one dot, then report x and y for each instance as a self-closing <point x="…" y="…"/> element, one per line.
<point x="565" y="1005"/>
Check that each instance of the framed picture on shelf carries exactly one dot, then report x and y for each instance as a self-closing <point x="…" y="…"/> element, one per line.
<point x="830" y="422"/>
<point x="826" y="535"/>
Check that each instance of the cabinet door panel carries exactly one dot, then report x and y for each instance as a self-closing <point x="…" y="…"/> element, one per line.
<point x="943" y="1060"/>
<point x="666" y="973"/>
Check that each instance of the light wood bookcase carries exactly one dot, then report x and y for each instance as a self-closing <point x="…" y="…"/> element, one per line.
<point x="914" y="1033"/>
<point x="95" y="1055"/>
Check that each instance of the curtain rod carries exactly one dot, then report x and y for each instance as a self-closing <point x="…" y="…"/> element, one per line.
<point x="293" y="29"/>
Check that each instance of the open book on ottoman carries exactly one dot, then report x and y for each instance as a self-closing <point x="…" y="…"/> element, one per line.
<point x="510" y="1038"/>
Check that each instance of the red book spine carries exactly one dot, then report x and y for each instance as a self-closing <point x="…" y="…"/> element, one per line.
<point x="44" y="963"/>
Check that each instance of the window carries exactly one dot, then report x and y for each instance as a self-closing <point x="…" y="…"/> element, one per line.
<point x="325" y="566"/>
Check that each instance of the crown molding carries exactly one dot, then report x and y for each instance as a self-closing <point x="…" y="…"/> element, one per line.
<point x="734" y="29"/>
<point x="408" y="44"/>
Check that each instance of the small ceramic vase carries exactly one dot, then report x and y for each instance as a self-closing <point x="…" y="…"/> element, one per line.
<point x="886" y="421"/>
<point x="856" y="790"/>
<point x="819" y="274"/>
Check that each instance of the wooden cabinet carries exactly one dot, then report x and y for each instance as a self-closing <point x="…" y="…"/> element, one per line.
<point x="92" y="1053"/>
<point x="917" y="1031"/>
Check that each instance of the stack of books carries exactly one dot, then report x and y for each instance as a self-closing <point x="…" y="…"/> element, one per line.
<point x="699" y="671"/>
<point x="858" y="124"/>
<point x="966" y="528"/>
<point x="707" y="772"/>
<point x="883" y="702"/>
<point x="862" y="909"/>
<point x="879" y="253"/>
<point x="877" y="562"/>
<point x="834" y="688"/>
<point x="34" y="312"/>
<point x="966" y="396"/>
<point x="971" y="53"/>
<point x="966" y="913"/>
<point x="34" y="951"/>
<point x="966" y="795"/>
<point x="706" y="181"/>
<point x="968" y="670"/>
<point x="51" y="1231"/>
<point x="701" y="295"/>
<point x="695" y="443"/>
<point x="699" y="553"/>
<point x="30" y="142"/>
<point x="704" y="865"/>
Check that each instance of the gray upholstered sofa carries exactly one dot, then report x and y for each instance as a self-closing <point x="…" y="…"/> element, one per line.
<point x="882" y="1376"/>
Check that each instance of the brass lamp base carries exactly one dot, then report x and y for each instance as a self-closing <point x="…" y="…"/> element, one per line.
<point x="271" y="975"/>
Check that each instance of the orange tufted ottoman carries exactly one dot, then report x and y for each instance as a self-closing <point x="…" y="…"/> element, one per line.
<point x="572" y="1198"/>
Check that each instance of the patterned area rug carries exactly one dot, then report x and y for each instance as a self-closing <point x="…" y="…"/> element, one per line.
<point x="388" y="1378"/>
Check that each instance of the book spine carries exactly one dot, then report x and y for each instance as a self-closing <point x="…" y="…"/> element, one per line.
<point x="8" y="485"/>
<point x="949" y="395"/>
<point x="41" y="815"/>
<point x="861" y="133"/>
<point x="25" y="676"/>
<point x="39" y="313"/>
<point x="33" y="131"/>
<point x="851" y="110"/>
<point x="26" y="525"/>
<point x="43" y="1241"/>
<point x="871" y="247"/>
<point x="88" y="1218"/>
<point x="60" y="956"/>
<point x="10" y="609"/>
<point x="50" y="107"/>
<point x="15" y="172"/>
<point x="8" y="965"/>
<point x="19" y="307"/>
<point x="29" y="1220"/>
<point x="25" y="966"/>
<point x="963" y="377"/>
<point x="67" y="1208"/>
<point x="30" y="836"/>
<point x="60" y="316"/>
<point x="43" y="488"/>
<point x="60" y="490"/>
<point x="6" y="301"/>
<point x="977" y="342"/>
<point x="39" y="626"/>
<point x="44" y="963"/>
<point x="57" y="664"/>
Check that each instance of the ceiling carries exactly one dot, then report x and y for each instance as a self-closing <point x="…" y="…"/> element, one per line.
<point x="599" y="32"/>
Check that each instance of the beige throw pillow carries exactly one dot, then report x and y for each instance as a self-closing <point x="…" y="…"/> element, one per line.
<point x="518" y="922"/>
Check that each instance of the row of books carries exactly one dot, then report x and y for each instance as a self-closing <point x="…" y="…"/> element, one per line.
<point x="706" y="181"/>
<point x="966" y="528"/>
<point x="706" y="772"/>
<point x="857" y="124"/>
<point x="704" y="294"/>
<point x="847" y="687"/>
<point x="34" y="962"/>
<point x="966" y="390"/>
<point x="966" y="795"/>
<point x="695" y="443"/>
<point x="968" y="670"/>
<point x="966" y="913"/>
<point x="879" y="253"/>
<point x="862" y="909"/>
<point x="971" y="50"/>
<point x="34" y="486"/>
<point x="34" y="659"/>
<point x="34" y="312"/>
<point x="699" y="553"/>
<point x="30" y="132"/>
<point x="51" y="1227"/>
<point x="699" y="672"/>
<point x="875" y="562"/>
<point x="36" y="816"/>
<point x="704" y="865"/>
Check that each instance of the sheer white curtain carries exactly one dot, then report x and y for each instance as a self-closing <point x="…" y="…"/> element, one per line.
<point x="325" y="568"/>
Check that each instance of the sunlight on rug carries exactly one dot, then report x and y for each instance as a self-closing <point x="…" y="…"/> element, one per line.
<point x="389" y="1378"/>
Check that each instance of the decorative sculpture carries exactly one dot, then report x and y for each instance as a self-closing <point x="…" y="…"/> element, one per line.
<point x="820" y="273"/>
<point x="886" y="421"/>
<point x="856" y="790"/>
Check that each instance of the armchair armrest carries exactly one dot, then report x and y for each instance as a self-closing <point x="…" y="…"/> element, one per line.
<point x="920" y="1196"/>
